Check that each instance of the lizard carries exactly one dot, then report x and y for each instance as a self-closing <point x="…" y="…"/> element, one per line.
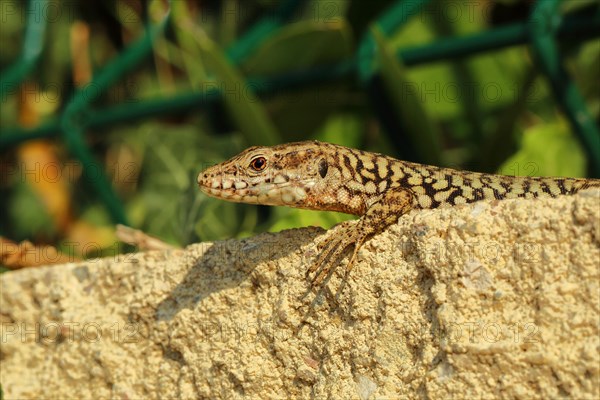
<point x="323" y="176"/>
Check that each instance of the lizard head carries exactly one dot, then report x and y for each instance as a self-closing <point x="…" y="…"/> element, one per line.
<point x="293" y="174"/>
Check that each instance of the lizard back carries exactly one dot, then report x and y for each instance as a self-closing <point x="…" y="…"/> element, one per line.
<point x="323" y="176"/>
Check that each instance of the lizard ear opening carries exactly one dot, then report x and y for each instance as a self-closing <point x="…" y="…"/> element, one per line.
<point x="323" y="167"/>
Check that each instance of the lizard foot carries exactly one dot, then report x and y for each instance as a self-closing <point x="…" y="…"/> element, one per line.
<point x="345" y="235"/>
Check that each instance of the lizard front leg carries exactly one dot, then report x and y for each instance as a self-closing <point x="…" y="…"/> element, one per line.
<point x="381" y="214"/>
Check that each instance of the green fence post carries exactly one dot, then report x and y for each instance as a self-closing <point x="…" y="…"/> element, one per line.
<point x="543" y="25"/>
<point x="32" y="48"/>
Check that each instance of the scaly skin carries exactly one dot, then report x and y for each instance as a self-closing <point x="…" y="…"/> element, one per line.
<point x="324" y="176"/>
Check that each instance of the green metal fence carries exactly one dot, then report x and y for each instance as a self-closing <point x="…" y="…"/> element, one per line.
<point x="545" y="28"/>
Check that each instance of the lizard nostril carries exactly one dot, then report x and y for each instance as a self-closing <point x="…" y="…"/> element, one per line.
<point x="202" y="177"/>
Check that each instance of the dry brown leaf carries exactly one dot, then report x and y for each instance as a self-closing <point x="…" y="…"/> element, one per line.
<point x="25" y="254"/>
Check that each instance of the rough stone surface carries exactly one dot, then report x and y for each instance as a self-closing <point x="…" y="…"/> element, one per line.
<point x="497" y="299"/>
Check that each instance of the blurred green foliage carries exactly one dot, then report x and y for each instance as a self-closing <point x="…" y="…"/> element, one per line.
<point x="489" y="112"/>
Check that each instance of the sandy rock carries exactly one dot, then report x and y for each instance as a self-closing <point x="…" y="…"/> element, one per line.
<point x="491" y="299"/>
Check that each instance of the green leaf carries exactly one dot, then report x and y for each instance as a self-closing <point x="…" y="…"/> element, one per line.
<point x="301" y="45"/>
<point x="547" y="150"/>
<point x="243" y="104"/>
<point x="423" y="132"/>
<point x="343" y="129"/>
<point x="187" y="33"/>
<point x="30" y="216"/>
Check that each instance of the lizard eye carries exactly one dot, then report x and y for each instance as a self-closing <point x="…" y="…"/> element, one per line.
<point x="258" y="164"/>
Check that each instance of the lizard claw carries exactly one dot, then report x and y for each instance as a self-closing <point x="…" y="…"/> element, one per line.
<point x="345" y="235"/>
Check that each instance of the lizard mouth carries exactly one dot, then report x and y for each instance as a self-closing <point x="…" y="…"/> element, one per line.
<point x="224" y="188"/>
<point x="279" y="192"/>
